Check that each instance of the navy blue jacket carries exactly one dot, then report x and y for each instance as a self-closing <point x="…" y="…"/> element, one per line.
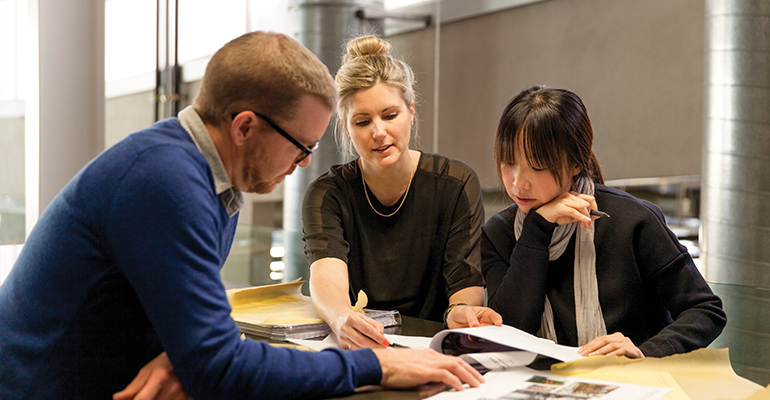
<point x="124" y="264"/>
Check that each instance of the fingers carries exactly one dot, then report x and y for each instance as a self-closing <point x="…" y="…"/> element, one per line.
<point x="470" y="375"/>
<point x="590" y="199"/>
<point x="583" y="204"/>
<point x="597" y="343"/>
<point x="153" y="385"/>
<point x="155" y="381"/>
<point x="162" y="385"/>
<point x="491" y="317"/>
<point x="458" y="371"/>
<point x="448" y="378"/>
<point x="487" y="316"/>
<point x="592" y="206"/>
<point x="581" y="215"/>
<point x="470" y="315"/>
<point x="615" y="344"/>
<point x="171" y="390"/>
<point x="134" y="387"/>
<point x="403" y="368"/>
<point x="358" y="331"/>
<point x="127" y="393"/>
<point x="569" y="207"/>
<point x="473" y="316"/>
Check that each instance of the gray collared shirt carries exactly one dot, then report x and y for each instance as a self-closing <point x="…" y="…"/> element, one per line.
<point x="231" y="197"/>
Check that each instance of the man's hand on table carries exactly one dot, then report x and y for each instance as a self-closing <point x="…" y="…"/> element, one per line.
<point x="404" y="368"/>
<point x="155" y="381"/>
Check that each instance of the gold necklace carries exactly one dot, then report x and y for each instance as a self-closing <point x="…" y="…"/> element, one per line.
<point x="366" y="193"/>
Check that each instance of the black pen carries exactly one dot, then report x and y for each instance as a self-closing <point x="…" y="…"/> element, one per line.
<point x="599" y="213"/>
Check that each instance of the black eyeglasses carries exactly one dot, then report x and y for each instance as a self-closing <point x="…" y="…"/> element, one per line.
<point x="306" y="151"/>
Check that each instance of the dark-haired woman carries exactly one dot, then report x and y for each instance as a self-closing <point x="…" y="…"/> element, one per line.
<point x="620" y="284"/>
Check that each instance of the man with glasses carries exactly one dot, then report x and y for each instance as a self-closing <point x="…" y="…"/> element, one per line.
<point x="121" y="272"/>
<point x="306" y="151"/>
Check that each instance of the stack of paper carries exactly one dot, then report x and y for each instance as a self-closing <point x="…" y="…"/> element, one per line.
<point x="281" y="312"/>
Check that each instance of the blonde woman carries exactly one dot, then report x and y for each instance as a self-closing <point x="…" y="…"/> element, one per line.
<point x="399" y="224"/>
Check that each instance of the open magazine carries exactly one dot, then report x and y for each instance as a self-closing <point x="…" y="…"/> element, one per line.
<point x="490" y="347"/>
<point x="523" y="383"/>
<point x="486" y="348"/>
<point x="503" y="354"/>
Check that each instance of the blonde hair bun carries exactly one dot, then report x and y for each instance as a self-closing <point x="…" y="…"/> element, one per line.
<point x="366" y="46"/>
<point x="369" y="62"/>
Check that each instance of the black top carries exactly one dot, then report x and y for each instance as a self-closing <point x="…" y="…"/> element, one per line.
<point x="649" y="287"/>
<point x="410" y="262"/>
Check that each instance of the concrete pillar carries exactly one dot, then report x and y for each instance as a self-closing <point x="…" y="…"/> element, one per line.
<point x="65" y="101"/>
<point x="323" y="26"/>
<point x="735" y="192"/>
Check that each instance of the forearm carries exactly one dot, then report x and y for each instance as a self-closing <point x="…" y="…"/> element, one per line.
<point x="472" y="296"/>
<point x="520" y="297"/>
<point x="695" y="329"/>
<point x="516" y="273"/>
<point x="697" y="311"/>
<point x="329" y="289"/>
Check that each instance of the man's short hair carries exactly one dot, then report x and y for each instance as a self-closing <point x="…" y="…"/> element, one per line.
<point x="266" y="72"/>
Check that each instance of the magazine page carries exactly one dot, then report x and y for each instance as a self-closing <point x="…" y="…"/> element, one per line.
<point x="527" y="384"/>
<point x="499" y="360"/>
<point x="414" y="342"/>
<point x="505" y="336"/>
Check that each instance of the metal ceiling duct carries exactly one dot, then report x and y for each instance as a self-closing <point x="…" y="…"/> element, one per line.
<point x="735" y="189"/>
<point x="323" y="26"/>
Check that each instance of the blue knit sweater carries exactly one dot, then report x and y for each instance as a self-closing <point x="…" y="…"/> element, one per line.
<point x="124" y="264"/>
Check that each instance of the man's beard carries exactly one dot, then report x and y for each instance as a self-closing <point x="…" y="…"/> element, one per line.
<point x="256" y="183"/>
<point x="261" y="187"/>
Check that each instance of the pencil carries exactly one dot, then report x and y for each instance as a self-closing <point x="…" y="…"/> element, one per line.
<point x="599" y="213"/>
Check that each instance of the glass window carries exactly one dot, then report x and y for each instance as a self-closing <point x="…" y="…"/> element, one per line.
<point x="129" y="39"/>
<point x="204" y="26"/>
<point x="269" y="16"/>
<point x="13" y="56"/>
<point x="391" y="4"/>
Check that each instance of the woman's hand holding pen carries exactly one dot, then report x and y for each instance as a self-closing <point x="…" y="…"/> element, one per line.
<point x="570" y="207"/>
<point x="355" y="331"/>
<point x="329" y="291"/>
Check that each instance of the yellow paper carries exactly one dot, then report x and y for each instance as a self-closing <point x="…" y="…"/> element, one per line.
<point x="703" y="374"/>
<point x="361" y="302"/>
<point x="763" y="394"/>
<point x="281" y="304"/>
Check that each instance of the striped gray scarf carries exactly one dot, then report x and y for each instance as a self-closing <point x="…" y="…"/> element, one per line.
<point x="588" y="311"/>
